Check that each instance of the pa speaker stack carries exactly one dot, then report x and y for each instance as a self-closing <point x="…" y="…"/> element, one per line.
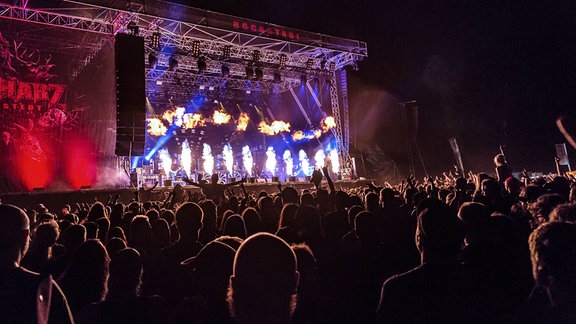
<point x="130" y="95"/>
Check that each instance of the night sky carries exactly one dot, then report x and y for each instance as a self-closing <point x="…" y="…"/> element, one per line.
<point x="485" y="72"/>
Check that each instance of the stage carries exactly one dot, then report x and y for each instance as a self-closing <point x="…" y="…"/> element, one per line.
<point x="55" y="200"/>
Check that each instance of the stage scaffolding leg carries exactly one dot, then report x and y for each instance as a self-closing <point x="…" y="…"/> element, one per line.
<point x="339" y="105"/>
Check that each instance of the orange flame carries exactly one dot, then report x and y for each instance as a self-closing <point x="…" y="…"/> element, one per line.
<point x="242" y="122"/>
<point x="276" y="127"/>
<point x="327" y="123"/>
<point x="193" y="121"/>
<point x="156" y="127"/>
<point x="220" y="117"/>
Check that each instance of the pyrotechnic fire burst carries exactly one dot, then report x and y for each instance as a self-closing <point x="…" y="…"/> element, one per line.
<point x="334" y="161"/>
<point x="304" y="162"/>
<point x="220" y="117"/>
<point x="289" y="163"/>
<point x="247" y="159"/>
<point x="228" y="158"/>
<point x="276" y="127"/>
<point x="327" y="123"/>
<point x="271" y="160"/>
<point x="186" y="158"/>
<point x="319" y="158"/>
<point x="156" y="127"/>
<point x="208" y="159"/>
<point x="193" y="121"/>
<point x="242" y="122"/>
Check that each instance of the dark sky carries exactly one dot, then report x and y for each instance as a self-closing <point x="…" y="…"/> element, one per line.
<point x="487" y="72"/>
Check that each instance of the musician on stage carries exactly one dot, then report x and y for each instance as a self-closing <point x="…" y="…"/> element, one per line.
<point x="213" y="190"/>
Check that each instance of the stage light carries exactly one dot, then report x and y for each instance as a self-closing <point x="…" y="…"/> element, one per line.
<point x="225" y="71"/>
<point x="196" y="48"/>
<point x="282" y="61"/>
<point x="211" y="88"/>
<point x="249" y="72"/>
<point x="277" y="77"/>
<point x="202" y="87"/>
<point x="156" y="40"/>
<point x="332" y="66"/>
<point x="201" y="64"/>
<point x="256" y="56"/>
<point x="259" y="73"/>
<point x="152" y="60"/>
<point x="309" y="64"/>
<point x="133" y="27"/>
<point x="226" y="51"/>
<point x="303" y="79"/>
<point x="172" y="64"/>
<point x="248" y="92"/>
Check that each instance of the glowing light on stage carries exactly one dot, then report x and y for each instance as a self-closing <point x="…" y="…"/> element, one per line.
<point x="327" y="123"/>
<point x="168" y="116"/>
<point x="242" y="122"/>
<point x="193" y="121"/>
<point x="166" y="161"/>
<point x="208" y="159"/>
<point x="156" y="127"/>
<point x="228" y="158"/>
<point x="177" y="119"/>
<point x="276" y="127"/>
<point x="247" y="159"/>
<point x="317" y="133"/>
<point x="186" y="158"/>
<point x="271" y="160"/>
<point x="297" y="136"/>
<point x="304" y="163"/>
<point x="334" y="161"/>
<point x="288" y="162"/>
<point x="319" y="158"/>
<point x="220" y="117"/>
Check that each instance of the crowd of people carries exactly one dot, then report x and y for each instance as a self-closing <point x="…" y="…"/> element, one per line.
<point x="477" y="249"/>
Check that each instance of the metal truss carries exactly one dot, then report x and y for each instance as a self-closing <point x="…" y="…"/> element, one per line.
<point x="54" y="19"/>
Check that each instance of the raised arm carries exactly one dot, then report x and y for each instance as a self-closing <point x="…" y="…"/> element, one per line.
<point x="192" y="183"/>
<point x="328" y="179"/>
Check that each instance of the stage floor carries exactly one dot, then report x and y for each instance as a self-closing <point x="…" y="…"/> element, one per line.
<point x="54" y="200"/>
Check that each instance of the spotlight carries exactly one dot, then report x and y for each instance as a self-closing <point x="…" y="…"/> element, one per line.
<point x="133" y="27"/>
<point x="196" y="48"/>
<point x="309" y="64"/>
<point x="282" y="61"/>
<point x="303" y="79"/>
<point x="152" y="60"/>
<point x="277" y="77"/>
<point x="172" y="64"/>
<point x="201" y="65"/>
<point x="156" y="40"/>
<point x="332" y="66"/>
<point x="256" y="56"/>
<point x="259" y="73"/>
<point x="211" y="88"/>
<point x="225" y="71"/>
<point x="249" y="72"/>
<point x="248" y="92"/>
<point x="202" y="87"/>
<point x="226" y="51"/>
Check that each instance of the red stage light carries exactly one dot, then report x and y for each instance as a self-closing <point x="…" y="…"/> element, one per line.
<point x="80" y="164"/>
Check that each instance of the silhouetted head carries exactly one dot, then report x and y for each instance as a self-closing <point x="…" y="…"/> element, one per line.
<point x="214" y="178"/>
<point x="234" y="226"/>
<point x="439" y="233"/>
<point x="553" y="254"/>
<point x="189" y="219"/>
<point x="14" y="235"/>
<point x="267" y="260"/>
